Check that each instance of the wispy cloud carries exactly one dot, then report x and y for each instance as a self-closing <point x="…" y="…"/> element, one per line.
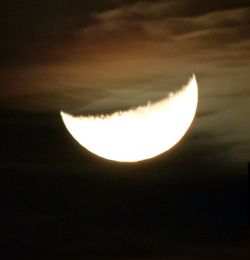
<point x="124" y="55"/>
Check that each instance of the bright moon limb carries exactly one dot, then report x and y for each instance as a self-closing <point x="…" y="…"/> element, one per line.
<point x="140" y="133"/>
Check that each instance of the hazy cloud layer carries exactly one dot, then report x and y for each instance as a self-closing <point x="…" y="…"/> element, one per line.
<point x="91" y="57"/>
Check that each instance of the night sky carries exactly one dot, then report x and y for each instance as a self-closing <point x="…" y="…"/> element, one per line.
<point x="58" y="200"/>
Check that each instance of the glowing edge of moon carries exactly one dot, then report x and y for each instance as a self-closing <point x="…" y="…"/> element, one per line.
<point x="139" y="133"/>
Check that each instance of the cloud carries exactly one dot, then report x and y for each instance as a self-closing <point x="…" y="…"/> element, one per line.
<point x="151" y="21"/>
<point x="47" y="33"/>
<point x="117" y="56"/>
<point x="143" y="40"/>
<point x="161" y="9"/>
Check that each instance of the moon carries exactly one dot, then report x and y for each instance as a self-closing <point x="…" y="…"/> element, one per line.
<point x="139" y="133"/>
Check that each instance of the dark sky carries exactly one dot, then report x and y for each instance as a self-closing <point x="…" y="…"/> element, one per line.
<point x="57" y="200"/>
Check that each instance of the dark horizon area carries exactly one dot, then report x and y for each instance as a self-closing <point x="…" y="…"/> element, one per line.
<point x="71" y="204"/>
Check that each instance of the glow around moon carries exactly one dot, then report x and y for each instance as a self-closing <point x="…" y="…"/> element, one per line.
<point x="139" y="133"/>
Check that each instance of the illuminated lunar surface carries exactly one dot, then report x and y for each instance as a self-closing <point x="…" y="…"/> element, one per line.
<point x="138" y="133"/>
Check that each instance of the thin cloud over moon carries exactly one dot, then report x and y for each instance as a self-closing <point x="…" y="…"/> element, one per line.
<point x="96" y="56"/>
<point x="139" y="133"/>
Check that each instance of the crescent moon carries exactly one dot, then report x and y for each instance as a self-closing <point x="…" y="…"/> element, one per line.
<point x="139" y="133"/>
